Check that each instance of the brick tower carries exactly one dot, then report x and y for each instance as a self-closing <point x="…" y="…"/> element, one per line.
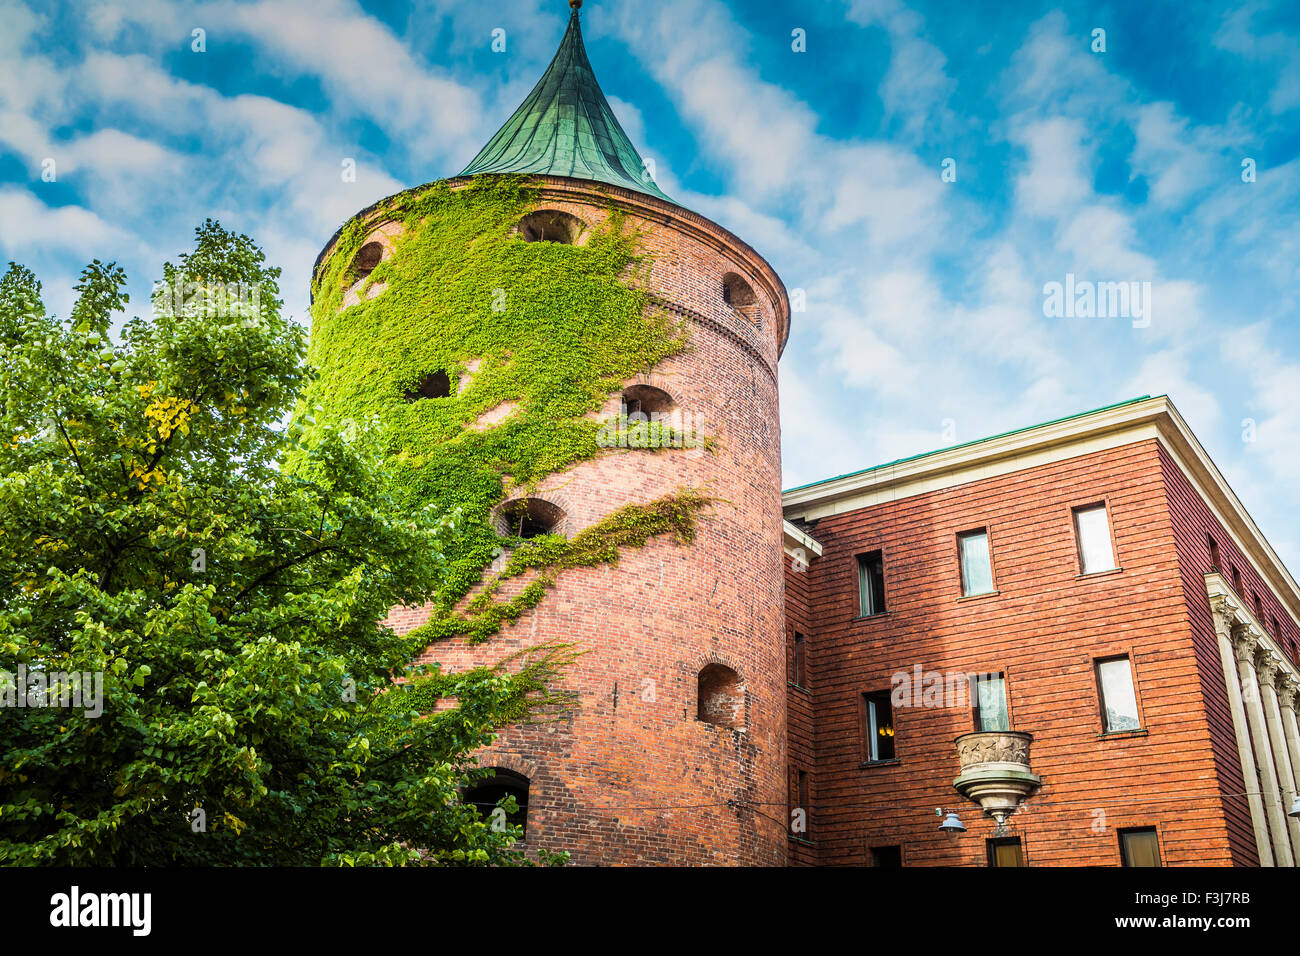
<point x="675" y="750"/>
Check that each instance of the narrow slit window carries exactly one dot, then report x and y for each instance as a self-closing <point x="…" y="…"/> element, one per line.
<point x="871" y="584"/>
<point x="805" y="801"/>
<point x="1096" y="551"/>
<point x="800" y="660"/>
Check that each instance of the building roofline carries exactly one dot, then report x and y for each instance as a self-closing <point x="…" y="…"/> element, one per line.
<point x="1111" y="426"/>
<point x="949" y="448"/>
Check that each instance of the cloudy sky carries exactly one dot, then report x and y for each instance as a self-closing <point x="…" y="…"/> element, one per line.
<point x="1162" y="151"/>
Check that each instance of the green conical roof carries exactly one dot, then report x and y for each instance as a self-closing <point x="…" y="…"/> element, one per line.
<point x="565" y="128"/>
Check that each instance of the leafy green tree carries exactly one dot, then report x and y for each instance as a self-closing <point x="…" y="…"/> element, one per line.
<point x="232" y="610"/>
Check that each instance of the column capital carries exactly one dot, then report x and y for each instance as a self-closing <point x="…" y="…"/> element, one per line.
<point x="1225" y="614"/>
<point x="1244" y="644"/>
<point x="1287" y="686"/>
<point x="1267" y="665"/>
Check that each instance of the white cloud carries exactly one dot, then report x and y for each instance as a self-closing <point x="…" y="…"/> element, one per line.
<point x="31" y="227"/>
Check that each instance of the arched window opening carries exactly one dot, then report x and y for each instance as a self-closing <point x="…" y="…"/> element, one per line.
<point x="736" y="292"/>
<point x="487" y="793"/>
<point x="550" y="225"/>
<point x="367" y="257"/>
<point x="434" y="385"/>
<point x="721" y="696"/>
<point x="646" y="399"/>
<point x="528" y="518"/>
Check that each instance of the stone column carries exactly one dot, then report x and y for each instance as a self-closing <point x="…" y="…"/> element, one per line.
<point x="1245" y="644"/>
<point x="1268" y="665"/>
<point x="1224" y="620"/>
<point x="1287" y="689"/>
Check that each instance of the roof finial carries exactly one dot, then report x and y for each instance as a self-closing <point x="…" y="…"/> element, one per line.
<point x="575" y="4"/>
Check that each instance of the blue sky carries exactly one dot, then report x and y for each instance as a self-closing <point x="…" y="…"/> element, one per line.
<point x="924" y="323"/>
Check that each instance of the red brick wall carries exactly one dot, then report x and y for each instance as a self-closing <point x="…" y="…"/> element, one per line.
<point x="1043" y="628"/>
<point x="799" y="704"/>
<point x="1194" y="524"/>
<point x="633" y="777"/>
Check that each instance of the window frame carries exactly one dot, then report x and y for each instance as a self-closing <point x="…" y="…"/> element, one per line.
<point x="1006" y="696"/>
<point x="990" y="851"/>
<point x="1154" y="830"/>
<point x="1094" y="503"/>
<point x="1112" y="655"/>
<point x="859" y="562"/>
<point x="803" y="782"/>
<point x="799" y="658"/>
<point x="866" y="725"/>
<point x="902" y="860"/>
<point x="987" y="531"/>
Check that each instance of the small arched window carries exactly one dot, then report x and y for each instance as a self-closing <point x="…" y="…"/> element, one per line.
<point x="646" y="399"/>
<point x="550" y="225"/>
<point x="364" y="262"/>
<point x="487" y="793"/>
<point x="434" y="385"/>
<point x="739" y="294"/>
<point x="721" y="698"/>
<point x="529" y="518"/>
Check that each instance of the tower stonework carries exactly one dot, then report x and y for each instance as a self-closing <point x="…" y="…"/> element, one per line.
<point x="674" y="751"/>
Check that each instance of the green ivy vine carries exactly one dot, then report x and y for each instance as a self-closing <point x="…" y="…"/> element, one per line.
<point x="546" y="331"/>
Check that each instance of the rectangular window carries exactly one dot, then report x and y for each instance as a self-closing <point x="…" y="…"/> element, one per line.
<point x="1096" y="552"/>
<point x="1214" y="553"/>
<point x="1139" y="847"/>
<point x="805" y="801"/>
<point x="890" y="857"/>
<point x="1005" y="851"/>
<point x="800" y="661"/>
<point x="990" y="702"/>
<point x="871" y="584"/>
<point x="879" y="726"/>
<point x="976" y="567"/>
<point x="1236" y="580"/>
<point x="1119" y="709"/>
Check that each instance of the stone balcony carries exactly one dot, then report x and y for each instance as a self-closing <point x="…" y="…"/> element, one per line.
<point x="995" y="771"/>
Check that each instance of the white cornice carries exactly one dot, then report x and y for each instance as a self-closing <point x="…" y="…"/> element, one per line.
<point x="796" y="541"/>
<point x="1153" y="418"/>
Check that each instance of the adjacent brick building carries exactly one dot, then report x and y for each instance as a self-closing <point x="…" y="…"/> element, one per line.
<point x="980" y="551"/>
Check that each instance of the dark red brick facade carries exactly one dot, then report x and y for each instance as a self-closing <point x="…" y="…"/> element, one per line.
<point x="1044" y="627"/>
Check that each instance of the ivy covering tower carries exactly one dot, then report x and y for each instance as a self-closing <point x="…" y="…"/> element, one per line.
<point x="583" y="373"/>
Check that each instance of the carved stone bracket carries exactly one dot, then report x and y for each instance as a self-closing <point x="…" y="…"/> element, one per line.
<point x="995" y="771"/>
